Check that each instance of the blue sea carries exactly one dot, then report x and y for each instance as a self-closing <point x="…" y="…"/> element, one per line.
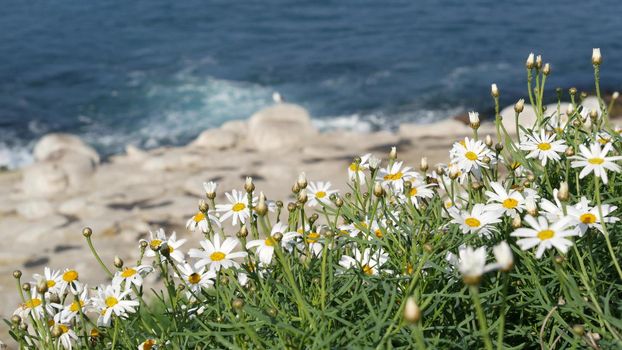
<point x="157" y="72"/>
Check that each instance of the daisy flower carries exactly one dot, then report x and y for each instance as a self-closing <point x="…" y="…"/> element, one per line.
<point x="503" y="255"/>
<point x="52" y="278"/>
<point x="217" y="255"/>
<point x="510" y="203"/>
<point x="544" y="235"/>
<point x="589" y="217"/>
<point x="237" y="209"/>
<point x="131" y="276"/>
<point x="111" y="300"/>
<point x="469" y="154"/>
<point x="369" y="262"/>
<point x="33" y="305"/>
<point x="319" y="192"/>
<point x="303" y="238"/>
<point x="418" y="191"/>
<point x="210" y="189"/>
<point x="199" y="220"/>
<point x="155" y="241"/>
<point x="356" y="171"/>
<point x="69" y="280"/>
<point x="472" y="263"/>
<point x="68" y="336"/>
<point x="543" y="147"/>
<point x="265" y="247"/>
<point x="196" y="278"/>
<point x="595" y="160"/>
<point x="363" y="228"/>
<point x="393" y="176"/>
<point x="69" y="312"/>
<point x="173" y="247"/>
<point x="477" y="220"/>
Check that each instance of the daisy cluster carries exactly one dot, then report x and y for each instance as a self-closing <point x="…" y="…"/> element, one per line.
<point x="499" y="216"/>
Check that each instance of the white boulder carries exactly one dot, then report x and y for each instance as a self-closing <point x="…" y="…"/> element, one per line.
<point x="282" y="126"/>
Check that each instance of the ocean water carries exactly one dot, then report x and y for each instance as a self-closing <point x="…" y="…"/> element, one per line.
<point x="158" y="72"/>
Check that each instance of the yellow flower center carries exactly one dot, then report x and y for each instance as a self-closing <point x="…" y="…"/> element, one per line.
<point x="413" y="191"/>
<point x="588" y="218"/>
<point x="354" y="167"/>
<point x="148" y="344"/>
<point x="128" y="272"/>
<point x="472" y="222"/>
<point x="111" y="301"/>
<point x="155" y="244"/>
<point x="269" y="242"/>
<point x="312" y="237"/>
<point x="320" y="194"/>
<point x="510" y="203"/>
<point x="32" y="303"/>
<point x="51" y="283"/>
<point x="94" y="333"/>
<point x="238" y="207"/>
<point x="75" y="306"/>
<point x="378" y="233"/>
<point x="199" y="217"/>
<point x="194" y="278"/>
<point x="603" y="140"/>
<point x="595" y="161"/>
<point x="70" y="276"/>
<point x="64" y="328"/>
<point x="367" y="270"/>
<point x="409" y="269"/>
<point x="546" y="234"/>
<point x="217" y="256"/>
<point x="393" y="177"/>
<point x="544" y="146"/>
<point x="470" y="155"/>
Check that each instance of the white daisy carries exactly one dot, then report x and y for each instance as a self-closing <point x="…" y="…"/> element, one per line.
<point x="210" y="188"/>
<point x="69" y="312"/>
<point x="33" y="306"/>
<point x="419" y="190"/>
<point x="478" y="220"/>
<point x="510" y="203"/>
<point x="369" y="262"/>
<point x="356" y="171"/>
<point x="503" y="255"/>
<point x="69" y="281"/>
<point x="196" y="278"/>
<point x="131" y="276"/>
<point x="217" y="255"/>
<point x="589" y="217"/>
<point x="472" y="263"/>
<point x="301" y="239"/>
<point x="110" y="299"/>
<point x="393" y="176"/>
<point x="199" y="220"/>
<point x="543" y="147"/>
<point x="595" y="160"/>
<point x="237" y="209"/>
<point x="173" y="247"/>
<point x="52" y="278"/>
<point x="155" y="241"/>
<point x="265" y="247"/>
<point x="319" y="192"/>
<point x="68" y="337"/>
<point x="469" y="154"/>
<point x="544" y="234"/>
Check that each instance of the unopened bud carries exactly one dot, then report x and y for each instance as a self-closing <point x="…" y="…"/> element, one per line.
<point x="530" y="61"/>
<point x="572" y="91"/>
<point x="563" y="194"/>
<point x="454" y="171"/>
<point x="249" y="186"/>
<point x="440" y="170"/>
<point x="519" y="106"/>
<point x="87" y="232"/>
<point x="26" y="287"/>
<point x="17" y="274"/>
<point x="476" y="185"/>
<point x="165" y="250"/>
<point x="474" y="120"/>
<point x="278" y="236"/>
<point x="531" y="206"/>
<point x="393" y="153"/>
<point x="569" y="152"/>
<point x="203" y="206"/>
<point x="302" y="196"/>
<point x="499" y="147"/>
<point x="378" y="190"/>
<point x="15" y="319"/>
<point x="516" y="222"/>
<point x="488" y="140"/>
<point x="578" y="329"/>
<point x="118" y="263"/>
<point x="243" y="232"/>
<point x="547" y="69"/>
<point x="42" y="286"/>
<point x="412" y="314"/>
<point x="302" y="180"/>
<point x="583" y="95"/>
<point x="424" y="164"/>
<point x="374" y="162"/>
<point x="538" y="61"/>
<point x="593" y="115"/>
<point x="615" y="95"/>
<point x="295" y="188"/>
<point x="494" y="90"/>
<point x="262" y="207"/>
<point x="237" y="304"/>
<point x="339" y="202"/>
<point x="597" y="58"/>
<point x="486" y="159"/>
<point x="569" y="110"/>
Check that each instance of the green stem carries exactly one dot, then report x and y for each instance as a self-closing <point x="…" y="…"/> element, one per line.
<point x="480" y="316"/>
<point x="604" y="226"/>
<point x="99" y="260"/>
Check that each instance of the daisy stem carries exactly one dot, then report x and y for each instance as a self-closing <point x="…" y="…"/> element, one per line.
<point x="480" y="316"/>
<point x="497" y="119"/>
<point x="506" y="280"/>
<point x="517" y="127"/>
<point x="530" y="91"/>
<point x="601" y="103"/>
<point x="417" y="333"/>
<point x="77" y="301"/>
<point x="302" y="310"/>
<point x="604" y="225"/>
<point x="99" y="260"/>
<point x="114" y="335"/>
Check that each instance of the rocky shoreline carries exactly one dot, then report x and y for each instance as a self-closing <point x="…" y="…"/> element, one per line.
<point x="45" y="205"/>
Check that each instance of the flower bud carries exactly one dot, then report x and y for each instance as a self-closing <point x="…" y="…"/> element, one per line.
<point x="440" y="170"/>
<point x="15" y="319"/>
<point x="569" y="152"/>
<point x="243" y="232"/>
<point x="532" y="208"/>
<point x="378" y="190"/>
<point x="262" y="207"/>
<point x="26" y="287"/>
<point x="164" y="249"/>
<point x="530" y="61"/>
<point x="42" y="286"/>
<point x="249" y="186"/>
<point x="488" y="141"/>
<point x="339" y="202"/>
<point x="494" y="90"/>
<point x="578" y="329"/>
<point x="547" y="69"/>
<point x="272" y="312"/>
<point x="454" y="171"/>
<point x="302" y="196"/>
<point x="412" y="314"/>
<point x="277" y="236"/>
<point x="593" y="115"/>
<point x="503" y="255"/>
<point x="486" y="160"/>
<point x="17" y="274"/>
<point x="563" y="194"/>
<point x="474" y="120"/>
<point x="210" y="189"/>
<point x="615" y="95"/>
<point x="302" y="180"/>
<point x="569" y="110"/>
<point x="572" y="91"/>
<point x="393" y="153"/>
<point x="295" y="188"/>
<point x="424" y="164"/>
<point x="519" y="106"/>
<point x="538" y="61"/>
<point x="516" y="222"/>
<point x="87" y="232"/>
<point x="118" y="263"/>
<point x="597" y="58"/>
<point x="499" y="147"/>
<point x="583" y="95"/>
<point x="237" y="304"/>
<point x="143" y="244"/>
<point x="203" y="206"/>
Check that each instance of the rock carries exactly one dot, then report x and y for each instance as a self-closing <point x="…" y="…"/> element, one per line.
<point x="590" y="103"/>
<point x="447" y="127"/>
<point x="216" y="139"/>
<point x="238" y="127"/>
<point x="282" y="126"/>
<point x="527" y="118"/>
<point x="43" y="179"/>
<point x="78" y="167"/>
<point x="52" y="143"/>
<point x="34" y="209"/>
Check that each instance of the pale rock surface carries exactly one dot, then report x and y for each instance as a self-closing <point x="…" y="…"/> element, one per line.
<point x="34" y="209"/>
<point x="52" y="143"/>
<point x="43" y="179"/>
<point x="526" y="119"/>
<point x="280" y="127"/>
<point x="445" y="128"/>
<point x="216" y="139"/>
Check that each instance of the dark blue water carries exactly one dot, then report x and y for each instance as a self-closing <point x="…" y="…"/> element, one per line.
<point x="157" y="72"/>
